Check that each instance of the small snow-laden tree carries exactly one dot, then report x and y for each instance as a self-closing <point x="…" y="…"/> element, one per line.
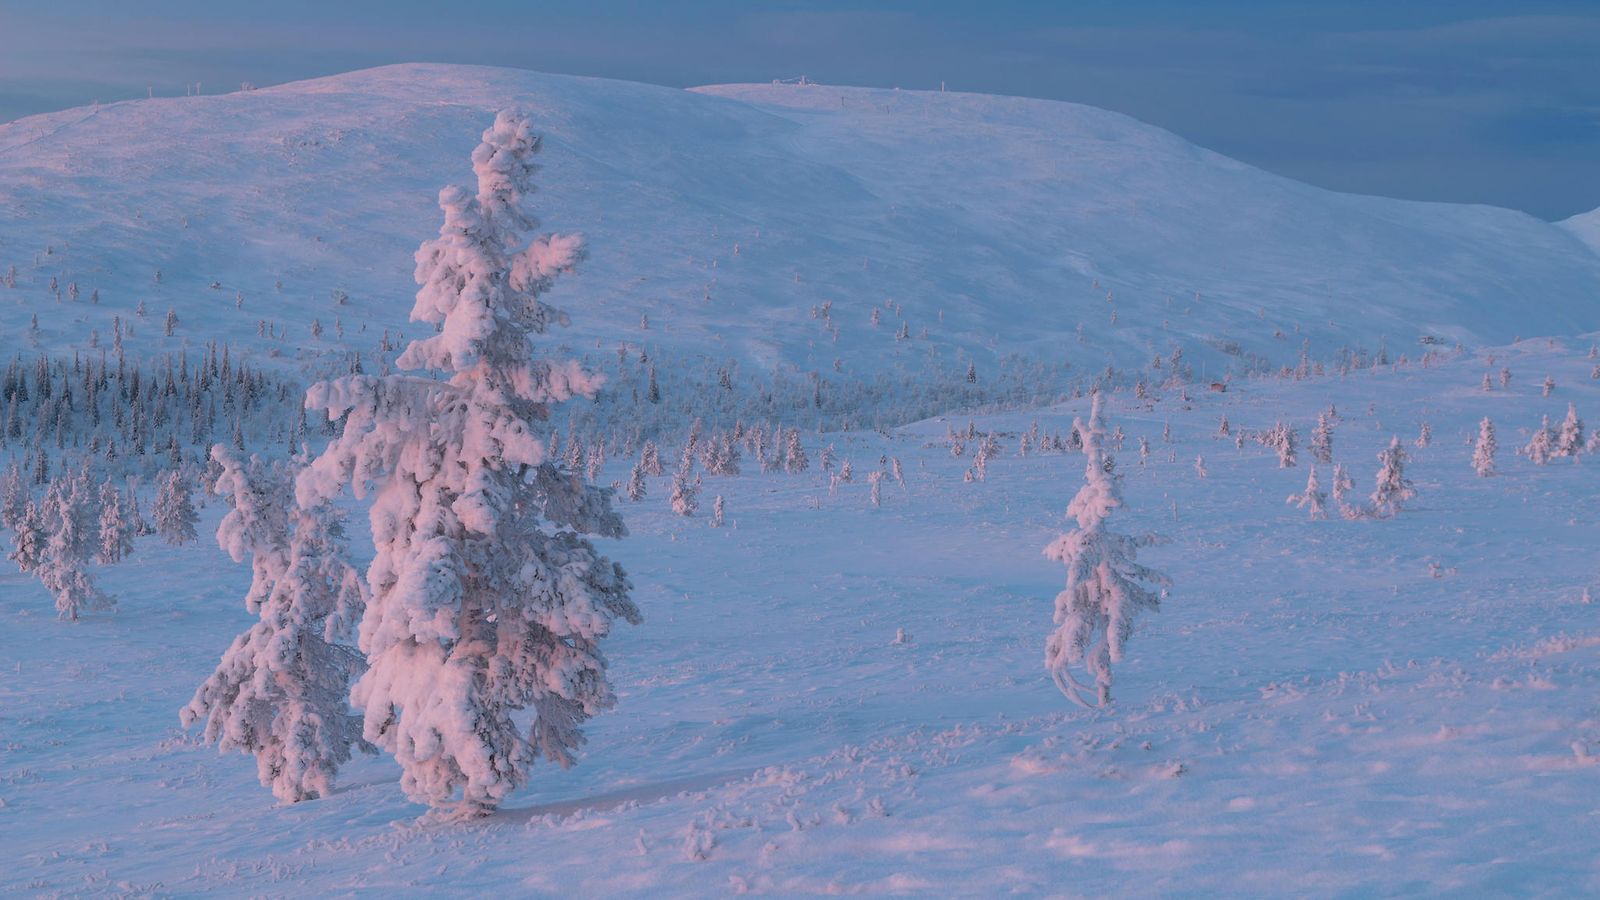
<point x="173" y="511"/>
<point x="14" y="495"/>
<point x="636" y="484"/>
<point x="795" y="460"/>
<point x="650" y="458"/>
<point x="1282" y="439"/>
<point x="1106" y="587"/>
<point x="1343" y="484"/>
<point x="1312" y="498"/>
<point x="685" y="488"/>
<point x="279" y="692"/>
<point x="115" y="526"/>
<point x="1484" y="448"/>
<point x="69" y="519"/>
<point x="1393" y="489"/>
<point x="141" y="525"/>
<point x="1200" y="466"/>
<point x="1424" y="435"/>
<point x="1569" y="440"/>
<point x="488" y="602"/>
<point x="719" y="455"/>
<point x="28" y="538"/>
<point x="987" y="448"/>
<point x="1542" y="444"/>
<point x="716" y="512"/>
<point x="1322" y="440"/>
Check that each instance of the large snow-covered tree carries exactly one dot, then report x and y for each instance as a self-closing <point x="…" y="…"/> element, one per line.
<point x="1106" y="587"/>
<point x="279" y="692"/>
<point x="487" y="602"/>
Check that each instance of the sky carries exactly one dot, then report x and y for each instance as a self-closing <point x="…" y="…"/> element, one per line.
<point x="1449" y="100"/>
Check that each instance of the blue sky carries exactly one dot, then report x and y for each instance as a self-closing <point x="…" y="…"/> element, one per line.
<point x="1461" y="101"/>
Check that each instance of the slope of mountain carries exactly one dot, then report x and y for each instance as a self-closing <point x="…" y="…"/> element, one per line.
<point x="724" y="215"/>
<point x="1587" y="227"/>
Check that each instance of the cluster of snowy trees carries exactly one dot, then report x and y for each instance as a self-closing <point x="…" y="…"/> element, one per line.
<point x="1567" y="440"/>
<point x="133" y="419"/>
<point x="76" y="523"/>
<point x="652" y="393"/>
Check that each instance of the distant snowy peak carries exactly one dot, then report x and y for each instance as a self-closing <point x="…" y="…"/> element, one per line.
<point x="1587" y="227"/>
<point x="813" y="228"/>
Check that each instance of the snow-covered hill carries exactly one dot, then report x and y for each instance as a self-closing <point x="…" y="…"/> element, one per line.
<point x="841" y="688"/>
<point x="725" y="214"/>
<point x="1587" y="227"/>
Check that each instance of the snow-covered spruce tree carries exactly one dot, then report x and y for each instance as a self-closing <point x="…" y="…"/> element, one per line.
<point x="650" y="458"/>
<point x="1542" y="444"/>
<point x="1343" y="484"/>
<point x="1393" y="489"/>
<point x="636" y="485"/>
<point x="1106" y="587"/>
<point x="115" y="527"/>
<point x="1312" y="497"/>
<point x="1322" y="440"/>
<point x="1282" y="439"/>
<point x="65" y="534"/>
<point x="1569" y="440"/>
<point x="487" y="601"/>
<point x="279" y="691"/>
<point x="685" y="488"/>
<point x="28" y="538"/>
<point x="1483" y="449"/>
<point x="173" y="510"/>
<point x="13" y="495"/>
<point x="795" y="460"/>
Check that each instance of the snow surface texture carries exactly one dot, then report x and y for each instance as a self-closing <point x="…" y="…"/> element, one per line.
<point x="832" y="697"/>
<point x="1000" y="225"/>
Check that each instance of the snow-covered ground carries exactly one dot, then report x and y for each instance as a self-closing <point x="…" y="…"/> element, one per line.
<point x="1313" y="711"/>
<point x="827" y="696"/>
